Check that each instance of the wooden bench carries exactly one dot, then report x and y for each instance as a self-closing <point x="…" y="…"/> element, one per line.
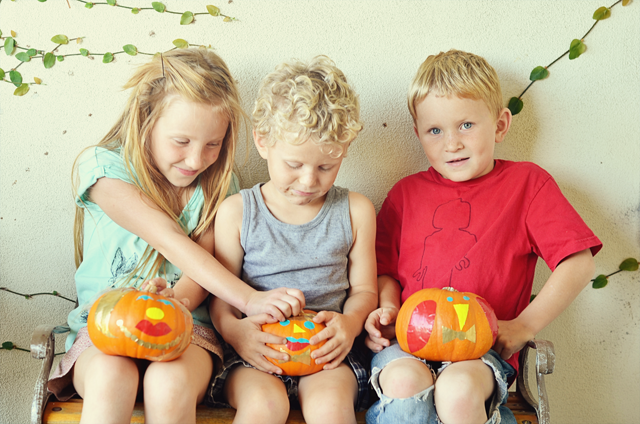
<point x="46" y="409"/>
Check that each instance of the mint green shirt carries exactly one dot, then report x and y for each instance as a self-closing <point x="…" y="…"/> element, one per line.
<point x="111" y="252"/>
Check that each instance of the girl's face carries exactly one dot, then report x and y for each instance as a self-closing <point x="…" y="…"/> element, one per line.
<point x="187" y="139"/>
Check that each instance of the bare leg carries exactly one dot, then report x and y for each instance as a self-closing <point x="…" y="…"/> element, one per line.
<point x="108" y="384"/>
<point x="173" y="389"/>
<point x="329" y="396"/>
<point x="257" y="396"/>
<point x="404" y="378"/>
<point x="462" y="390"/>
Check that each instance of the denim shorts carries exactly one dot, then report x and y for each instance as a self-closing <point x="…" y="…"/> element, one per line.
<point x="420" y="407"/>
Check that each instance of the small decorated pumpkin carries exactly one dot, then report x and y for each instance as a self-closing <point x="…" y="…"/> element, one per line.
<point x="297" y="330"/>
<point x="139" y="324"/>
<point x="446" y="325"/>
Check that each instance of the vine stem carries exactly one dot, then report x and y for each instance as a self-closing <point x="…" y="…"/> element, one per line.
<point x="30" y="295"/>
<point x="567" y="52"/>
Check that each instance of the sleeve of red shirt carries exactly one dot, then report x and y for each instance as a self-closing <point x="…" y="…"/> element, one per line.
<point x="555" y="229"/>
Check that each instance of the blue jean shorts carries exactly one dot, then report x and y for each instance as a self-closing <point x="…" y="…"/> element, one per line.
<point x="421" y="408"/>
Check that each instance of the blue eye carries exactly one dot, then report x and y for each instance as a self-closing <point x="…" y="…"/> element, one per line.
<point x="284" y="323"/>
<point x="166" y="302"/>
<point x="435" y="131"/>
<point x="450" y="299"/>
<point x="144" y="297"/>
<point x="467" y="125"/>
<point x="465" y="297"/>
<point x="310" y="325"/>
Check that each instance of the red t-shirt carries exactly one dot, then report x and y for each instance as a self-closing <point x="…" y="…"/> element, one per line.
<point x="482" y="236"/>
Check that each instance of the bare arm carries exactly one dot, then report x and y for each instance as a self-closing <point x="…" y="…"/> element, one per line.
<point x="188" y="289"/>
<point x="342" y="329"/>
<point x="381" y="323"/>
<point x="562" y="287"/>
<point x="130" y="209"/>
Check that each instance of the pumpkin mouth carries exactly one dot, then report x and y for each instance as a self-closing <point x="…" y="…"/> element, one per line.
<point x="148" y="345"/>
<point x="154" y="330"/>
<point x="295" y="345"/>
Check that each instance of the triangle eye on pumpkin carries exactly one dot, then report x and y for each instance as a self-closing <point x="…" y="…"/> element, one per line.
<point x="420" y="325"/>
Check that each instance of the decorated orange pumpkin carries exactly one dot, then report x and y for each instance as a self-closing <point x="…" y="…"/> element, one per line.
<point x="446" y="325"/>
<point x="297" y="330"/>
<point x="140" y="324"/>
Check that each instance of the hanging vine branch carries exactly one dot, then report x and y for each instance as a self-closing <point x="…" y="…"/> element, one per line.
<point x="576" y="48"/>
<point x="32" y="295"/>
<point x="49" y="59"/>
<point x="186" y="18"/>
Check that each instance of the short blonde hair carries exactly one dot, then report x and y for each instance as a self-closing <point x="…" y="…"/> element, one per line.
<point x="311" y="100"/>
<point x="460" y="74"/>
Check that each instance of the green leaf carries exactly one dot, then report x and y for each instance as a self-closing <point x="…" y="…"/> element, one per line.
<point x="629" y="264"/>
<point x="180" y="43"/>
<point x="7" y="345"/>
<point x="213" y="11"/>
<point x="32" y="52"/>
<point x="602" y="13"/>
<point x="626" y="2"/>
<point x="227" y="19"/>
<point x="84" y="52"/>
<point x="22" y="90"/>
<point x="186" y="18"/>
<point x="9" y="45"/>
<point x="1" y="74"/>
<point x="37" y="80"/>
<point x="88" y="5"/>
<point x="60" y="58"/>
<point x="135" y="10"/>
<point x="538" y="73"/>
<point x="515" y="105"/>
<point x="49" y="60"/>
<point x="111" y="2"/>
<point x="533" y="296"/>
<point x="23" y="57"/>
<point x="60" y="39"/>
<point x="107" y="58"/>
<point x="576" y="49"/>
<point x="55" y="293"/>
<point x="130" y="49"/>
<point x="159" y="7"/>
<point x="600" y="281"/>
<point x="16" y="78"/>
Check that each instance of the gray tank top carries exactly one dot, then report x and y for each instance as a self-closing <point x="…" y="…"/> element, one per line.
<point x="311" y="257"/>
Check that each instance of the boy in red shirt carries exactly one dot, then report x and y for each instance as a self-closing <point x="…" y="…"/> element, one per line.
<point x="476" y="224"/>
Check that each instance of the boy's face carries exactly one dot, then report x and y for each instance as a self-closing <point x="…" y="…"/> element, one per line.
<point x="301" y="174"/>
<point x="459" y="135"/>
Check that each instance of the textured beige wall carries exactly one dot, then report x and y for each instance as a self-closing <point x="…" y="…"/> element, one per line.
<point x="581" y="125"/>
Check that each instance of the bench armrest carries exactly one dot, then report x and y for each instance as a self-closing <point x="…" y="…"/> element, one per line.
<point x="545" y="363"/>
<point x="42" y="347"/>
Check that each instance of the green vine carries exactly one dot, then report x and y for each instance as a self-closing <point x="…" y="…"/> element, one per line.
<point x="576" y="48"/>
<point x="49" y="58"/>
<point x="32" y="295"/>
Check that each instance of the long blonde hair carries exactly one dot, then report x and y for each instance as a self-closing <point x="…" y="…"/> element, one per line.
<point x="197" y="75"/>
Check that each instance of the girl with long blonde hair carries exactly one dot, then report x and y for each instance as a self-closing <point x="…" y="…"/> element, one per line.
<point x="146" y="198"/>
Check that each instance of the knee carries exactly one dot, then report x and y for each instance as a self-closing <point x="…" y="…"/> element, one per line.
<point x="461" y="394"/>
<point x="405" y="378"/>
<point x="115" y="374"/>
<point x="263" y="405"/>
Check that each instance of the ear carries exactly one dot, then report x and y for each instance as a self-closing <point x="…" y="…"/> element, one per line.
<point x="259" y="141"/>
<point x="415" y="130"/>
<point x="502" y="124"/>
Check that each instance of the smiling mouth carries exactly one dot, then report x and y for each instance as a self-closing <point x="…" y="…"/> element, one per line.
<point x="458" y="160"/>
<point x="186" y="172"/>
<point x="146" y="344"/>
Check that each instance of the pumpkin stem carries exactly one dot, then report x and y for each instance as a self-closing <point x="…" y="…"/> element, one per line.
<point x="451" y="289"/>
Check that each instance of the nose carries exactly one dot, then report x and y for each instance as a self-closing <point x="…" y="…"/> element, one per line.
<point x="308" y="178"/>
<point x="195" y="159"/>
<point x="453" y="143"/>
<point x="155" y="313"/>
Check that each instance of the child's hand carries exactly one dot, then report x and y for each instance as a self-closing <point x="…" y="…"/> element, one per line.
<point x="158" y="285"/>
<point x="512" y="336"/>
<point x="380" y="325"/>
<point x="280" y="303"/>
<point x="339" y="339"/>
<point x="249" y="341"/>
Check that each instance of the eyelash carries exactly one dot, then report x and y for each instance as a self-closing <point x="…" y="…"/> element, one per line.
<point x="299" y="166"/>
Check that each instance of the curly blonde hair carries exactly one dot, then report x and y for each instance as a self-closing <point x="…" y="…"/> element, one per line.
<point x="196" y="75"/>
<point x="311" y="100"/>
<point x="456" y="73"/>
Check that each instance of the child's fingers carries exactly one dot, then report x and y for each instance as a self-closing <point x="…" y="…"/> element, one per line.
<point x="325" y="334"/>
<point x="371" y="325"/>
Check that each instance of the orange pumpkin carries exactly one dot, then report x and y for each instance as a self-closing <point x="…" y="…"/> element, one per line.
<point x="138" y="324"/>
<point x="297" y="330"/>
<point x="446" y="325"/>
